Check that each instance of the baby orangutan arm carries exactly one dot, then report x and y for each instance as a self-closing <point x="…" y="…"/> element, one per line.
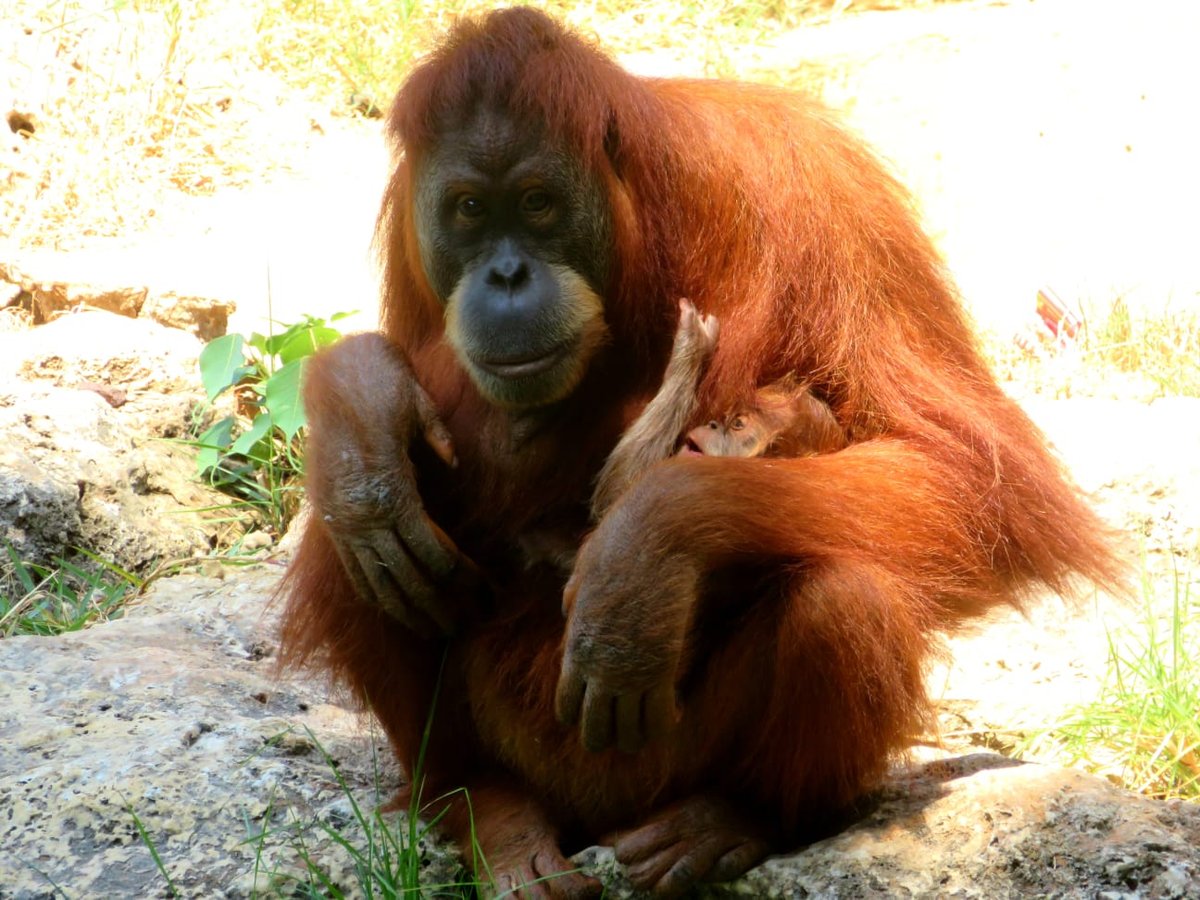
<point x="655" y="434"/>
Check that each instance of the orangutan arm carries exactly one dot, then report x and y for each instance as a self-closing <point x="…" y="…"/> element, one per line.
<point x="366" y="412"/>
<point x="631" y="599"/>
<point x="657" y="431"/>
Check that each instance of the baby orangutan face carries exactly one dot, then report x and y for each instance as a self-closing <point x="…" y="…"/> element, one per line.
<point x="784" y="419"/>
<point x="747" y="433"/>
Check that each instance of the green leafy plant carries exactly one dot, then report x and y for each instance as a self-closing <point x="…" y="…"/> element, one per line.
<point x="255" y="453"/>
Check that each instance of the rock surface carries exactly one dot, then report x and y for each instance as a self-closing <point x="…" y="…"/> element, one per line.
<point x="984" y="826"/>
<point x="170" y="715"/>
<point x="89" y="405"/>
<point x="56" y="287"/>
<point x="172" y="720"/>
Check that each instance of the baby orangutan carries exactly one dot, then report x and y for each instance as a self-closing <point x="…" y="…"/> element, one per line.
<point x="784" y="419"/>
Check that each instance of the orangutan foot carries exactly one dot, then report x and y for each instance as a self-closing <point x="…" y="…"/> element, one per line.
<point x="535" y="872"/>
<point x="517" y="851"/>
<point x="699" y="839"/>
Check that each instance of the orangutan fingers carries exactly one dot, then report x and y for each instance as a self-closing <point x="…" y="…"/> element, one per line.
<point x="427" y="544"/>
<point x="696" y="329"/>
<point x="354" y="570"/>
<point x="568" y="696"/>
<point x="660" y="713"/>
<point x="718" y="856"/>
<point x="391" y="556"/>
<point x="687" y="321"/>
<point x="740" y="859"/>
<point x="631" y="736"/>
<point x="464" y="575"/>
<point x="508" y="885"/>
<point x="710" y="326"/>
<point x="437" y="554"/>
<point x="596" y="719"/>
<point x="568" y="884"/>
<point x="411" y="584"/>
<point x="524" y="884"/>
<point x="372" y="583"/>
<point x="392" y="599"/>
<point x="644" y="842"/>
<point x="433" y="430"/>
<point x="648" y="872"/>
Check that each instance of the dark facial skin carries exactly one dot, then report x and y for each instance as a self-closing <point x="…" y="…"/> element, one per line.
<point x="515" y="239"/>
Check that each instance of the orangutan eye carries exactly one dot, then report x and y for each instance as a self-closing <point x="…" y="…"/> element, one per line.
<point x="470" y="207"/>
<point x="535" y="202"/>
<point x="738" y="423"/>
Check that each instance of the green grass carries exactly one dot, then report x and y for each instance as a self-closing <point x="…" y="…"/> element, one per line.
<point x="381" y="854"/>
<point x="1143" y="729"/>
<point x="41" y="600"/>
<point x="385" y="851"/>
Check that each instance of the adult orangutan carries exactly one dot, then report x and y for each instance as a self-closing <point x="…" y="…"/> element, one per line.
<point x="743" y="640"/>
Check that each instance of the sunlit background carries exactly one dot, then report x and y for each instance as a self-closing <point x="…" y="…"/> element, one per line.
<point x="232" y="148"/>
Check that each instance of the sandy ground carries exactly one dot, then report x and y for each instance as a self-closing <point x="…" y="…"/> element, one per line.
<point x="1050" y="143"/>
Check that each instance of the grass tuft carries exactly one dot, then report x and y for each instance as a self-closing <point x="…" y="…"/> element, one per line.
<point x="1164" y="348"/>
<point x="1143" y="729"/>
<point x="36" y="599"/>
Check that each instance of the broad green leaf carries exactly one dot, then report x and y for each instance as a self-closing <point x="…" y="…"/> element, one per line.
<point x="212" y="443"/>
<point x="307" y="342"/>
<point x="272" y="344"/>
<point x="221" y="360"/>
<point x="247" y="441"/>
<point x="258" y="342"/>
<point x="282" y="397"/>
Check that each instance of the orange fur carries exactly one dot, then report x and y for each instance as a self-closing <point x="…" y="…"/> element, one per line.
<point x="826" y="578"/>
